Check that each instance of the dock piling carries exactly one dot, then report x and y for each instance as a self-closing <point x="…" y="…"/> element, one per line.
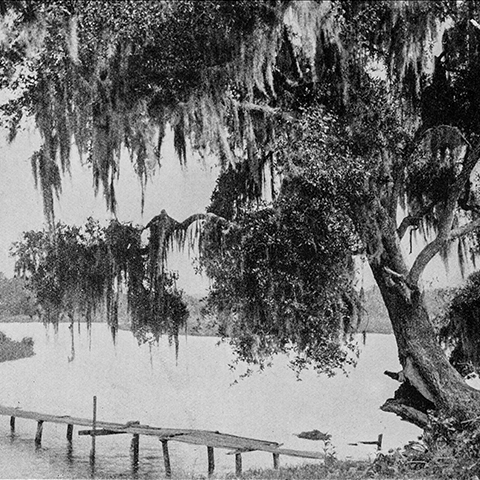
<point x="238" y="464"/>
<point x="69" y="432"/>
<point x="276" y="461"/>
<point x="379" y="442"/>
<point x="12" y="425"/>
<point x="38" y="435"/>
<point x="211" y="460"/>
<point x="166" y="459"/>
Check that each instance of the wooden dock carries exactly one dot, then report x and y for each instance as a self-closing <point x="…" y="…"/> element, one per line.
<point x="211" y="439"/>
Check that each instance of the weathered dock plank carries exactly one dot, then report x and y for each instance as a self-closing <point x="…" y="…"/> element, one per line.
<point x="283" y="451"/>
<point x="223" y="440"/>
<point x="100" y="432"/>
<point x="212" y="439"/>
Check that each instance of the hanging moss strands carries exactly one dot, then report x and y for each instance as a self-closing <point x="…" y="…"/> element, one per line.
<point x="81" y="272"/>
<point x="108" y="77"/>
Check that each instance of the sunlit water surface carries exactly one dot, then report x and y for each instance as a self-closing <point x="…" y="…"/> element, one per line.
<point x="197" y="390"/>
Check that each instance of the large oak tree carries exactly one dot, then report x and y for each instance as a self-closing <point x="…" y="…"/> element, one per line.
<point x="289" y="87"/>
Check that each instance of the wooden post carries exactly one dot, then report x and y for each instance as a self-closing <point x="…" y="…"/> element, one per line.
<point x="12" y="425"/>
<point x="211" y="460"/>
<point x="276" y="460"/>
<point x="70" y="432"/>
<point x="38" y="436"/>
<point x="166" y="459"/>
<point x="238" y="464"/>
<point x="135" y="447"/>
<point x="379" y="442"/>
<point x="94" y="427"/>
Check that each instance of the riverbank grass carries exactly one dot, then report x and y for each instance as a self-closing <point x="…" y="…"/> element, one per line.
<point x="339" y="470"/>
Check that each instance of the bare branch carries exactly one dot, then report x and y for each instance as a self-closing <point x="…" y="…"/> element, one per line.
<point x="408" y="221"/>
<point x="414" y="219"/>
<point x="393" y="273"/>
<point x="435" y="246"/>
<point x="201" y="216"/>
<point x="255" y="107"/>
<point x="464" y="230"/>
<point x="166" y="225"/>
<point x="423" y="259"/>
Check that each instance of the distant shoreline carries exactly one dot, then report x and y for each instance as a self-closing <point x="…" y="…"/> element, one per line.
<point x="15" y="350"/>
<point x="376" y="328"/>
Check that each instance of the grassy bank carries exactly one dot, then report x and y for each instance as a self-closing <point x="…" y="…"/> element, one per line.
<point x="338" y="470"/>
<point x="382" y="468"/>
<point x="434" y="458"/>
<point x="13" y="350"/>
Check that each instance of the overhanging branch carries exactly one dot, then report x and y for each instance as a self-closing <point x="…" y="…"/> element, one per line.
<point x="435" y="246"/>
<point x="445" y="232"/>
<point x="265" y="109"/>
<point x="201" y="216"/>
<point x="168" y="223"/>
<point x="413" y="220"/>
<point x="163" y="231"/>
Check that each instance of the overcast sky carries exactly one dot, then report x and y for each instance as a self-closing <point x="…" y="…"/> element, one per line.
<point x="180" y="192"/>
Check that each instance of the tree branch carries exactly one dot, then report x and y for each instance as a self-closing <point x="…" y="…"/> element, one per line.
<point x="445" y="232"/>
<point x="173" y="224"/>
<point x="435" y="246"/>
<point x="405" y="412"/>
<point x="201" y="216"/>
<point x="471" y="159"/>
<point x="255" y="107"/>
<point x="408" y="221"/>
<point x="464" y="230"/>
<point x="413" y="220"/>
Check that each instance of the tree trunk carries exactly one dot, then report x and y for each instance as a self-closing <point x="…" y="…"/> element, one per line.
<point x="425" y="365"/>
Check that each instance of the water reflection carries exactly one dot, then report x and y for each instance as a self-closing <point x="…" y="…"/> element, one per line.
<point x="70" y="453"/>
<point x="92" y="464"/>
<point x="71" y="358"/>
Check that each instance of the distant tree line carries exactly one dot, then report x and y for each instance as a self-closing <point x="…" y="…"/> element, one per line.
<point x="15" y="299"/>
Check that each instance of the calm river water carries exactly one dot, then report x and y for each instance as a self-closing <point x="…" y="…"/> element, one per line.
<point x="197" y="390"/>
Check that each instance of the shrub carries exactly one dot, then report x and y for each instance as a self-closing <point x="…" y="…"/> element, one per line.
<point x="13" y="350"/>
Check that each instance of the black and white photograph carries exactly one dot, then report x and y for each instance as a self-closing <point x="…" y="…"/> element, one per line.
<point x="240" y="239"/>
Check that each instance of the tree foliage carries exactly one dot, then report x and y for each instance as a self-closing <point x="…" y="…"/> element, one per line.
<point x="461" y="332"/>
<point x="80" y="270"/>
<point x="15" y="299"/>
<point x="112" y="74"/>
<point x="283" y="278"/>
<point x="115" y="73"/>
